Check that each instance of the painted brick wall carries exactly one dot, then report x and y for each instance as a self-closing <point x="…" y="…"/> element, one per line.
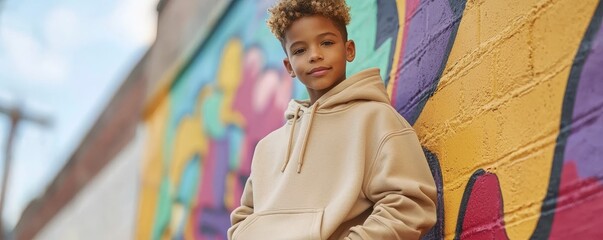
<point x="506" y="96"/>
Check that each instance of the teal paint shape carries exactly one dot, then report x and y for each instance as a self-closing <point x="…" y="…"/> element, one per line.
<point x="235" y="141"/>
<point x="164" y="209"/>
<point x="187" y="190"/>
<point x="210" y="112"/>
<point x="363" y="30"/>
<point x="189" y="181"/>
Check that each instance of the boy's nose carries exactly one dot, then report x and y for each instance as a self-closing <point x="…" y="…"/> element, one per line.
<point x="315" y="55"/>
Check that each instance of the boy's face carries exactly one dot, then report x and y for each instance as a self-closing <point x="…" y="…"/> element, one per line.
<point x="317" y="53"/>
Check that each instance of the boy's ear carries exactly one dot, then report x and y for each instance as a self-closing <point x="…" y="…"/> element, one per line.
<point x="288" y="67"/>
<point x="350" y="50"/>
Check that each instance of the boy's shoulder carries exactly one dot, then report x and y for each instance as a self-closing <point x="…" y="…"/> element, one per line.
<point x="277" y="135"/>
<point x="379" y="112"/>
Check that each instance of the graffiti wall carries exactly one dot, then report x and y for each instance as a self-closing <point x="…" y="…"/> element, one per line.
<point x="506" y="96"/>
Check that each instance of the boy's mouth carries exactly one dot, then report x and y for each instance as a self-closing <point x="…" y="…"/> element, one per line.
<point x="318" y="71"/>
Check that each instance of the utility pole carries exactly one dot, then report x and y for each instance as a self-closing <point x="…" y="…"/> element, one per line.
<point x="16" y="115"/>
<point x="1" y="8"/>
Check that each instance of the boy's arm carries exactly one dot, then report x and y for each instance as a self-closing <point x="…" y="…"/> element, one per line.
<point x="400" y="184"/>
<point x="242" y="212"/>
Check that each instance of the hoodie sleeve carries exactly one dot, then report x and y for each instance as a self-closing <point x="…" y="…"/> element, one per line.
<point x="402" y="189"/>
<point x="245" y="210"/>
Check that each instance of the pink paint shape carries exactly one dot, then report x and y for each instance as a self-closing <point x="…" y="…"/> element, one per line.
<point x="579" y="206"/>
<point x="483" y="216"/>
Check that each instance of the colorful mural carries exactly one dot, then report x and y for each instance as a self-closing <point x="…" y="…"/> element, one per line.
<point x="498" y="108"/>
<point x="505" y="97"/>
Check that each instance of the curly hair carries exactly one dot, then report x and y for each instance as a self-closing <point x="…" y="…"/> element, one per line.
<point x="285" y="12"/>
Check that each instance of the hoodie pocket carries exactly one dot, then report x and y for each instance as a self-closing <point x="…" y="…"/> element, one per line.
<point x="289" y="224"/>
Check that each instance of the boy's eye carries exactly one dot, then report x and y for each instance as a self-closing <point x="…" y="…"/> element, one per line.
<point x="328" y="43"/>
<point x="298" y="51"/>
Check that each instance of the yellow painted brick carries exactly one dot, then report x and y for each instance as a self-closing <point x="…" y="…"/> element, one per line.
<point x="558" y="31"/>
<point x="513" y="63"/>
<point x="496" y="14"/>
<point x="467" y="38"/>
<point x="480" y="90"/>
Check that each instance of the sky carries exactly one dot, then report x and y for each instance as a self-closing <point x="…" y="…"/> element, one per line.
<point x="63" y="60"/>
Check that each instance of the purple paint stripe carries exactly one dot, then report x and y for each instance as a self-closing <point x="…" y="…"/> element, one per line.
<point x="213" y="223"/>
<point x="425" y="51"/>
<point x="221" y="171"/>
<point x="585" y="144"/>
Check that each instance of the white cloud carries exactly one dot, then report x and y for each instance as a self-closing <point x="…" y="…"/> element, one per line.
<point x="63" y="29"/>
<point x="30" y="60"/>
<point x="132" y="21"/>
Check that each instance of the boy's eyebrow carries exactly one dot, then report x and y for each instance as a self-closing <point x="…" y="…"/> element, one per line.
<point x="326" y="33"/>
<point x="318" y="36"/>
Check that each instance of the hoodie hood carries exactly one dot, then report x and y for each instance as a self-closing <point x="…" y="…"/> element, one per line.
<point x="366" y="85"/>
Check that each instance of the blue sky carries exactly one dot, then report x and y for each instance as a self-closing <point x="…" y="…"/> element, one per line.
<point x="63" y="59"/>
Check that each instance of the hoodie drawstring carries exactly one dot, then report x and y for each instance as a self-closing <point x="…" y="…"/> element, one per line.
<point x="290" y="140"/>
<point x="305" y="142"/>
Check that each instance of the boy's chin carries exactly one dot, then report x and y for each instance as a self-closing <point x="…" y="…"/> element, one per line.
<point x="320" y="87"/>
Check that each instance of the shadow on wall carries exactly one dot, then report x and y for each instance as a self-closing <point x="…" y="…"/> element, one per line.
<point x="503" y="94"/>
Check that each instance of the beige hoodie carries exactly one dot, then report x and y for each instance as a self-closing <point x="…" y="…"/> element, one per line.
<point x="347" y="167"/>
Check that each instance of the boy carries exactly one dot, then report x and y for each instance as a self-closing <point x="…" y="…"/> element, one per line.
<point x="345" y="165"/>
